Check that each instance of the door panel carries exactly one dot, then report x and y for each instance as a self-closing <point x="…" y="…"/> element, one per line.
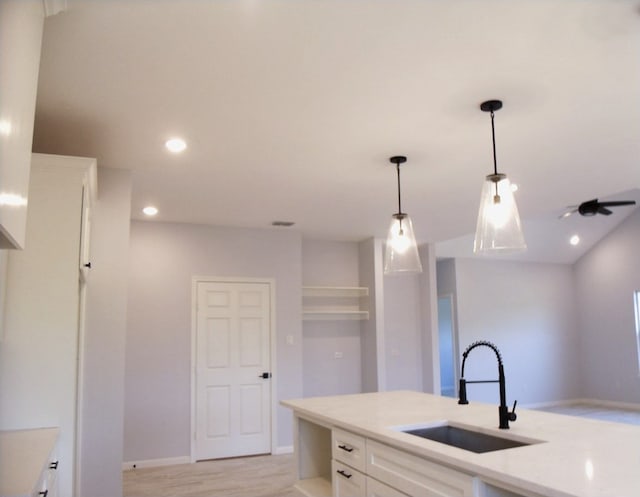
<point x="233" y="401"/>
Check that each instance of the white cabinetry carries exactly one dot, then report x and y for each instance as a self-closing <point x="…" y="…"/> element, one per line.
<point x="21" y="23"/>
<point x="415" y="475"/>
<point x="346" y="481"/>
<point x="313" y="457"/>
<point x="378" y="489"/>
<point x="348" y="465"/>
<point x="28" y="463"/>
<point x="363" y="466"/>
<point x="334" y="302"/>
<point x="42" y="353"/>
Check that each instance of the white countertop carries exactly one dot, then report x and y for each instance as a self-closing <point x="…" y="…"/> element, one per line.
<point x="578" y="457"/>
<point x="24" y="455"/>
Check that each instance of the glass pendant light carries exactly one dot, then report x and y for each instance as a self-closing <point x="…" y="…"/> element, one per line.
<point x="401" y="253"/>
<point x="498" y="229"/>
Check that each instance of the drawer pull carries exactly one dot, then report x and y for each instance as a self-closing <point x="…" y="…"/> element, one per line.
<point x="342" y="472"/>
<point x="54" y="465"/>
<point x="44" y="493"/>
<point x="346" y="447"/>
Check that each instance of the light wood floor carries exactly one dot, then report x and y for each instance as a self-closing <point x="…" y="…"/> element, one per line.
<point x="274" y="476"/>
<point x="258" y="476"/>
<point x="597" y="412"/>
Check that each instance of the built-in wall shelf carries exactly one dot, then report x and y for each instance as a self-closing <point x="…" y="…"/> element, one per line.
<point x="334" y="302"/>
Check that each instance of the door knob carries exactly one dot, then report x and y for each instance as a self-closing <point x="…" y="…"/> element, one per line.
<point x="265" y="375"/>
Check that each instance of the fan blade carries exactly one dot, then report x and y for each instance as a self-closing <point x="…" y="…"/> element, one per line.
<point x="572" y="209"/>
<point x="614" y="203"/>
<point x="604" y="210"/>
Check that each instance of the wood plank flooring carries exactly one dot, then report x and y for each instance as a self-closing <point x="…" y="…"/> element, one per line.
<point x="595" y="411"/>
<point x="274" y="476"/>
<point x="258" y="476"/>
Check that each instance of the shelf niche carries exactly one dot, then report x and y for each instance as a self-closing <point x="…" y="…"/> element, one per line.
<point x="334" y="303"/>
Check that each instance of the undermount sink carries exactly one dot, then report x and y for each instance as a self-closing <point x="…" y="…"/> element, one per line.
<point x="462" y="438"/>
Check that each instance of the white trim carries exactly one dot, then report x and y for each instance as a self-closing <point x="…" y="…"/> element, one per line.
<point x="272" y="337"/>
<point x="155" y="463"/>
<point x="285" y="449"/>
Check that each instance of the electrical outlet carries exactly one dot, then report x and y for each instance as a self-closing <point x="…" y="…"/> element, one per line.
<point x="337" y="355"/>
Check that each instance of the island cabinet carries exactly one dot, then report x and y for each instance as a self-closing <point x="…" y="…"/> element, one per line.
<point x="333" y="461"/>
<point x="358" y="445"/>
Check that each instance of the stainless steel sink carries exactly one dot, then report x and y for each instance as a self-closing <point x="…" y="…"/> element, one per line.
<point x="466" y="439"/>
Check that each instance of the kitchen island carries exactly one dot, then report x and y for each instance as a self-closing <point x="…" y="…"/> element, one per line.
<point x="355" y="445"/>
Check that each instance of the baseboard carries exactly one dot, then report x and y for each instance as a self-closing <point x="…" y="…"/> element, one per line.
<point x="632" y="406"/>
<point x="286" y="449"/>
<point x="154" y="463"/>
<point x="585" y="401"/>
<point x="552" y="403"/>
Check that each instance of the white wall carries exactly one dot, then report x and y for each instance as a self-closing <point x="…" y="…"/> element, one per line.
<point x="163" y="259"/>
<point x="330" y="263"/>
<point x="104" y="349"/>
<point x="528" y="311"/>
<point x="605" y="279"/>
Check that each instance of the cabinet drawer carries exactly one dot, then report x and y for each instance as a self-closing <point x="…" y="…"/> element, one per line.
<point x="378" y="489"/>
<point x="348" y="448"/>
<point x="346" y="481"/>
<point x="415" y="475"/>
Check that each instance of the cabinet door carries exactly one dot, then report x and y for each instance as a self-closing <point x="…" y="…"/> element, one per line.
<point x="415" y="475"/>
<point x="378" y="489"/>
<point x="346" y="481"/>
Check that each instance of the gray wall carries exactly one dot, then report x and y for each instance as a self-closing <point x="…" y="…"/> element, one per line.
<point x="605" y="279"/>
<point x="330" y="263"/>
<point x="163" y="259"/>
<point x="429" y="320"/>
<point x="372" y="337"/>
<point x="528" y="311"/>
<point x="106" y="307"/>
<point x="402" y="331"/>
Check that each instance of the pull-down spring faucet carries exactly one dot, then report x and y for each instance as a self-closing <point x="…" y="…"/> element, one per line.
<point x="503" y="411"/>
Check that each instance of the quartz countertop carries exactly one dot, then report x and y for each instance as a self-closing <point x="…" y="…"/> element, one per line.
<point x="575" y="457"/>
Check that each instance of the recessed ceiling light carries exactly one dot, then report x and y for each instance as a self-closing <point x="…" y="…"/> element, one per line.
<point x="514" y="187"/>
<point x="574" y="240"/>
<point x="175" y="145"/>
<point x="150" y="210"/>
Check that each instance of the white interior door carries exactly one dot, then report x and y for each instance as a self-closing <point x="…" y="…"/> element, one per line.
<point x="233" y="385"/>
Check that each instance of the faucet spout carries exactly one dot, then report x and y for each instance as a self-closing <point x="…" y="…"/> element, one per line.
<point x="503" y="411"/>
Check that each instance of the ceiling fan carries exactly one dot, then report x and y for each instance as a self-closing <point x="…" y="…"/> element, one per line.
<point x="593" y="207"/>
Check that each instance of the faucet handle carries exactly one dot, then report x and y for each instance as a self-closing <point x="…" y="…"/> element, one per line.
<point x="512" y="415"/>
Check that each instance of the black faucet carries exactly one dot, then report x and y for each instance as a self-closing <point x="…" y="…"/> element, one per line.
<point x="503" y="410"/>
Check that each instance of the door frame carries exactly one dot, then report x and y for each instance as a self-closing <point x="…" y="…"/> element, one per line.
<point x="272" y="350"/>
<point x="454" y="339"/>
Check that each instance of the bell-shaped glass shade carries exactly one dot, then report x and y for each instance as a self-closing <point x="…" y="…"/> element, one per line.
<point x="498" y="228"/>
<point x="401" y="252"/>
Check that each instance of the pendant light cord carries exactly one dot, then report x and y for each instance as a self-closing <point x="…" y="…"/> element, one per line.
<point x="493" y="138"/>
<point x="399" y="197"/>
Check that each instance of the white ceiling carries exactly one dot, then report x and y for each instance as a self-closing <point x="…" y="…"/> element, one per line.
<point x="291" y="109"/>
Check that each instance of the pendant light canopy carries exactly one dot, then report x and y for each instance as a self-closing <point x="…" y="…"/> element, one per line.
<point x="498" y="228"/>
<point x="401" y="253"/>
